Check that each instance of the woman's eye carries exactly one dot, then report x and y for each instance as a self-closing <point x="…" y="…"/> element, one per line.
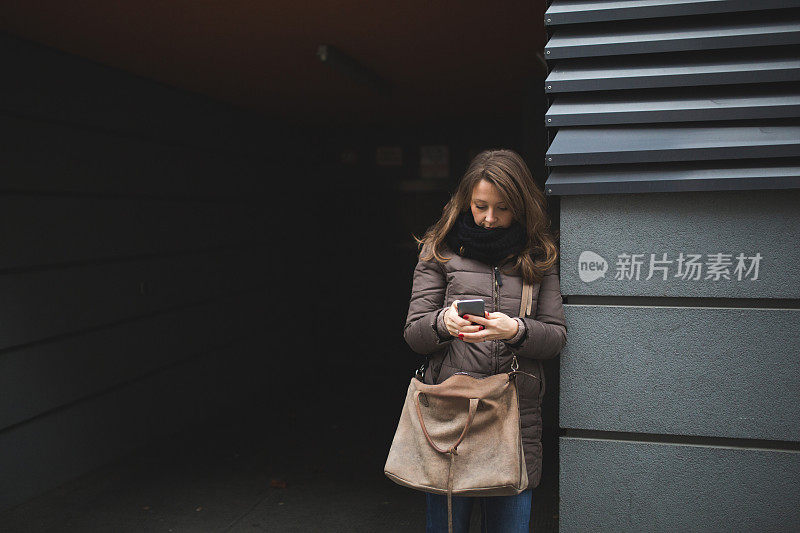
<point x="481" y="207"/>
<point x="503" y="208"/>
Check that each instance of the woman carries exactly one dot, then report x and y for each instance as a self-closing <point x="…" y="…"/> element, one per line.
<point x="493" y="233"/>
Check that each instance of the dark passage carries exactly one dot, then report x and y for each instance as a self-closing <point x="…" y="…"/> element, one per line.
<point x="204" y="300"/>
<point x="258" y="473"/>
<point x="305" y="450"/>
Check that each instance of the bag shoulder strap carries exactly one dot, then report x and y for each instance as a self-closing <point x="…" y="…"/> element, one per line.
<point x="527" y="299"/>
<point x="524" y="310"/>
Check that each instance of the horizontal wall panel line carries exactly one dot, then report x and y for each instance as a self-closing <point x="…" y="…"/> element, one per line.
<point x="572" y="12"/>
<point x="619" y="179"/>
<point x="599" y="74"/>
<point x="42" y="305"/>
<point x="682" y="439"/>
<point x="655" y="301"/>
<point x="623" y="39"/>
<point x="635" y="109"/>
<point x="75" y="367"/>
<point x="41" y="454"/>
<point x="113" y="132"/>
<point x="639" y="144"/>
<point x="221" y="198"/>
<point x="126" y="320"/>
<point x="122" y="259"/>
<point x="128" y="382"/>
<point x="89" y="162"/>
<point x="55" y="230"/>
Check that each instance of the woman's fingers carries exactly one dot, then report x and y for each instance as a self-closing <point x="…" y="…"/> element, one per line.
<point x="478" y="336"/>
<point x="460" y="322"/>
<point x="457" y="323"/>
<point x="478" y="320"/>
<point x="470" y="325"/>
<point x="469" y="328"/>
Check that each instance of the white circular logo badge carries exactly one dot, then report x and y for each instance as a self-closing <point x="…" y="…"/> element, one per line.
<point x="591" y="266"/>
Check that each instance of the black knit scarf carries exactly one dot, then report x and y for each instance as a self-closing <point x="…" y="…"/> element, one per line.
<point x="488" y="246"/>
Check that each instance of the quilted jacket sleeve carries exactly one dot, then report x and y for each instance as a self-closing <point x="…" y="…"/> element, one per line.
<point x="427" y="300"/>
<point x="546" y="333"/>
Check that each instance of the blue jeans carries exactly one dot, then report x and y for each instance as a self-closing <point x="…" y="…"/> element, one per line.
<point x="506" y="514"/>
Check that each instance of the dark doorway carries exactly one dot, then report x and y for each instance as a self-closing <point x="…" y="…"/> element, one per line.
<point x="224" y="130"/>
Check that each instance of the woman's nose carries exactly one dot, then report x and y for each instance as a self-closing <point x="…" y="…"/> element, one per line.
<point x="489" y="217"/>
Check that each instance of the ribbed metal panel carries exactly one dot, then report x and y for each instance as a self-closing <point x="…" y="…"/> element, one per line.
<point x="668" y="106"/>
<point x="576" y="12"/>
<point x="641" y="144"/>
<point x="660" y="82"/>
<point x="645" y="72"/>
<point x="645" y="38"/>
<point x="616" y="179"/>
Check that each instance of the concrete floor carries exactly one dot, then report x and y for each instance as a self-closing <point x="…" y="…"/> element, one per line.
<point x="230" y="475"/>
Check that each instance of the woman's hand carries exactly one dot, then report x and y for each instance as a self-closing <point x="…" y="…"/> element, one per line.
<point x="493" y="326"/>
<point x="456" y="325"/>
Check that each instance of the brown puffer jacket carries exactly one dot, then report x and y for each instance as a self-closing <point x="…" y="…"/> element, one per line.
<point x="435" y="287"/>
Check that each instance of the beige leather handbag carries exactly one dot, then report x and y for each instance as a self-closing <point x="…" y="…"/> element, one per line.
<point x="461" y="436"/>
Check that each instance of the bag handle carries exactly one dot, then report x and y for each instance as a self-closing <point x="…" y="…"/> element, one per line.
<point x="451" y="451"/>
<point x="473" y="407"/>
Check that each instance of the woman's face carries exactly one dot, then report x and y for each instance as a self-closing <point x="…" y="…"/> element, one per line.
<point x="488" y="208"/>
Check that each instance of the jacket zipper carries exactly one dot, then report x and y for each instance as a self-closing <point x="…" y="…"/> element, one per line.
<point x="496" y="283"/>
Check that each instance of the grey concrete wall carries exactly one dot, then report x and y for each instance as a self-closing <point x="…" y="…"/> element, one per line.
<point x="680" y="380"/>
<point x="681" y="414"/>
<point x="614" y="485"/>
<point x="682" y="371"/>
<point x="700" y="223"/>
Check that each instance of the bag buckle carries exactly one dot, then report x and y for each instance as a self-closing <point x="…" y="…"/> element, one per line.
<point x="514" y="364"/>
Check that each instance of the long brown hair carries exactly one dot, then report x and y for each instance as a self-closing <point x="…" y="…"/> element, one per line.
<point x="506" y="170"/>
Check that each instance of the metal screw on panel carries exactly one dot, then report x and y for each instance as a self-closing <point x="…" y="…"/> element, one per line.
<point x="547" y="52"/>
<point x="549" y="86"/>
<point x="549" y="158"/>
<point x="550" y="190"/>
<point x="548" y="20"/>
<point x="549" y="120"/>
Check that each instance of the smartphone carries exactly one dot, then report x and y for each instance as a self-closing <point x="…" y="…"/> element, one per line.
<point x="471" y="307"/>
